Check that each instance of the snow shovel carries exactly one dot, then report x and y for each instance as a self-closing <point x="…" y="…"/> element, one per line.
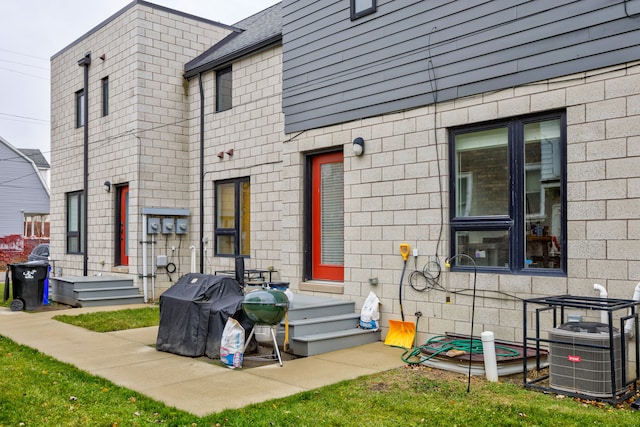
<point x="401" y="333"/>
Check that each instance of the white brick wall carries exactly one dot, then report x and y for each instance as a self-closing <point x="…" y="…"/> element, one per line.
<point x="144" y="139"/>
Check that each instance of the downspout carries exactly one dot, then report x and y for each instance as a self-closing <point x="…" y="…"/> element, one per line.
<point x="201" y="172"/>
<point x="85" y="62"/>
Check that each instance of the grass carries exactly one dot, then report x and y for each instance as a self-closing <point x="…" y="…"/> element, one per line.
<point x="107" y="321"/>
<point x="36" y="389"/>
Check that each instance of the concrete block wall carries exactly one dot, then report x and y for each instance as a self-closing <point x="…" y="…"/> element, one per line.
<point x="392" y="196"/>
<point x="143" y="141"/>
<point x="254" y="129"/>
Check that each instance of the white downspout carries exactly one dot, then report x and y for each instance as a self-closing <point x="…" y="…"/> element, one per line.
<point x="193" y="258"/>
<point x="144" y="257"/>
<point x="604" y="317"/>
<point x="628" y="325"/>
<point x="153" y="275"/>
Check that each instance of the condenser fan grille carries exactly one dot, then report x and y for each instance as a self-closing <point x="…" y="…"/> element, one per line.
<point x="580" y="359"/>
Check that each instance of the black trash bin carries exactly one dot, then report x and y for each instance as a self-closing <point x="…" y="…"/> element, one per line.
<point x="28" y="282"/>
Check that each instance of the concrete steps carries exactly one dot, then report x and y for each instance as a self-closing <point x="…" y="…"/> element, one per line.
<point x="93" y="291"/>
<point x="320" y="325"/>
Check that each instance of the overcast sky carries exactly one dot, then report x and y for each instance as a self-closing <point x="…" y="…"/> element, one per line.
<point x="31" y="31"/>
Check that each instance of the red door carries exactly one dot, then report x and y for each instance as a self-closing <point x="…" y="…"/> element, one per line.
<point x="327" y="220"/>
<point x="123" y="231"/>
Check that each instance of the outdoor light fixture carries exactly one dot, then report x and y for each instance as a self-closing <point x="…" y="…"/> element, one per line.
<point x="358" y="146"/>
<point x="107" y="186"/>
<point x="229" y="152"/>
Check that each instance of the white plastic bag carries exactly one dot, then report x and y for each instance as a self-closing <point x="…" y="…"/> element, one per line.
<point x="369" y="315"/>
<point x="232" y="344"/>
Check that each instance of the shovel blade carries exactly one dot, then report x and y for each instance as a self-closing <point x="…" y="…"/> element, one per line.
<point x="401" y="334"/>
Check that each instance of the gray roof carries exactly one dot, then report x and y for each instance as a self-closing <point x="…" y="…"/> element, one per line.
<point x="36" y="156"/>
<point x="252" y="34"/>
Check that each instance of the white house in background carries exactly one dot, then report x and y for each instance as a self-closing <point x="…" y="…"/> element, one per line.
<point x="23" y="190"/>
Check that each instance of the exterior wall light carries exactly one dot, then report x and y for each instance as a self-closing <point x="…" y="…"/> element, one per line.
<point x="358" y="146"/>
<point x="107" y="186"/>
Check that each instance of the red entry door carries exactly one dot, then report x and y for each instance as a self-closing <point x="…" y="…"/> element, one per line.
<point x="328" y="217"/>
<point x="123" y="229"/>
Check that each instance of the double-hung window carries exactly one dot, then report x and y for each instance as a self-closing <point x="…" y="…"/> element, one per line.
<point x="75" y="218"/>
<point x="232" y="217"/>
<point x="508" y="195"/>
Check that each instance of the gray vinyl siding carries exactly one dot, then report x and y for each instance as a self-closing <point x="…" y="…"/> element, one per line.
<point x="336" y="70"/>
<point x="21" y="190"/>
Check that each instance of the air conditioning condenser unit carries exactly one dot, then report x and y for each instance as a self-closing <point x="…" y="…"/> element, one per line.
<point x="581" y="358"/>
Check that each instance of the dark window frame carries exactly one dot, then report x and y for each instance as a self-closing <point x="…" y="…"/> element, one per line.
<point x="359" y="13"/>
<point x="515" y="222"/>
<point x="224" y="89"/>
<point x="105" y="96"/>
<point x="235" y="232"/>
<point x="75" y="235"/>
<point x="80" y="113"/>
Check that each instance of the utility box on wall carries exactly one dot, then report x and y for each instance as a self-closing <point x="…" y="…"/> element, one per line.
<point x="182" y="226"/>
<point x="153" y="225"/>
<point x="167" y="225"/>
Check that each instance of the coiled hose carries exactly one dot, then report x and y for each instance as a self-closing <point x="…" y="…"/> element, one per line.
<point x="469" y="346"/>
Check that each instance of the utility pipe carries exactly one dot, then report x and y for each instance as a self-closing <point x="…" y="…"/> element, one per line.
<point x="201" y="172"/>
<point x="604" y="317"/>
<point x="193" y="259"/>
<point x="153" y="274"/>
<point x="489" y="355"/>
<point x="85" y="62"/>
<point x="143" y="227"/>
<point x="628" y="325"/>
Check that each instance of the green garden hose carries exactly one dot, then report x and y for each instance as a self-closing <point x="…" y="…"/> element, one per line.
<point x="467" y="345"/>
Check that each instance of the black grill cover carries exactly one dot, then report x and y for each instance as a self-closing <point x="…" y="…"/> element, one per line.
<point x="194" y="311"/>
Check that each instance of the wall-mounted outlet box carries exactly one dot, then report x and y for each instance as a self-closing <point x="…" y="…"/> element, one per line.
<point x="153" y="225"/>
<point x="162" y="261"/>
<point x="168" y="225"/>
<point x="182" y="226"/>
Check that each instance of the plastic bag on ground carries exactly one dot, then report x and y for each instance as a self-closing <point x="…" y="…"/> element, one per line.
<point x="232" y="344"/>
<point x="370" y="314"/>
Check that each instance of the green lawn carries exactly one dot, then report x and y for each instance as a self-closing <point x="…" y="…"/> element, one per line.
<point x="37" y="390"/>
